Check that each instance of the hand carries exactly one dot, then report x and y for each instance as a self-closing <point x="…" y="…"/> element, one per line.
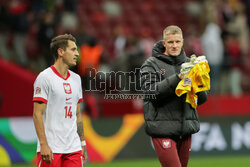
<point x="46" y="153"/>
<point x="85" y="155"/>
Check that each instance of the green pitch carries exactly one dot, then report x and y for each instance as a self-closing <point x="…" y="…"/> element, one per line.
<point x="219" y="161"/>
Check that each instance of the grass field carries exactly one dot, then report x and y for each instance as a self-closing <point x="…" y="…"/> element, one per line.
<point x="225" y="161"/>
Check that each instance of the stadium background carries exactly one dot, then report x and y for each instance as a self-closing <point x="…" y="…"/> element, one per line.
<point x="118" y="36"/>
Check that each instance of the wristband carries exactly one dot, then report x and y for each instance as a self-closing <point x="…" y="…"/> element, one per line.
<point x="83" y="143"/>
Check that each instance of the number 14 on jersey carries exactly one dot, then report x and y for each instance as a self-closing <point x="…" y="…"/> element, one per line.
<point x="68" y="112"/>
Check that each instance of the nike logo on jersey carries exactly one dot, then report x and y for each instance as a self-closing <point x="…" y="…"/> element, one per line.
<point x="68" y="98"/>
<point x="163" y="71"/>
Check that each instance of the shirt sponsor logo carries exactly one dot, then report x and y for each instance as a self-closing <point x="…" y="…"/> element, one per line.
<point x="67" y="88"/>
<point x="166" y="143"/>
<point x="38" y="91"/>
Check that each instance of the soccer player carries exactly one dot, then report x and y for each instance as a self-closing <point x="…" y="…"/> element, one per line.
<point x="170" y="121"/>
<point x="57" y="117"/>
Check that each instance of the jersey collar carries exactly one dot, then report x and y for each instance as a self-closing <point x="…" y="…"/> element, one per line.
<point x="58" y="74"/>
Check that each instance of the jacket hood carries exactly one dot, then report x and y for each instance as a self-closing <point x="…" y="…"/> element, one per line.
<point x="158" y="52"/>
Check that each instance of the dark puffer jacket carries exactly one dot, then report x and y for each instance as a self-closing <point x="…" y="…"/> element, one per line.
<point x="167" y="115"/>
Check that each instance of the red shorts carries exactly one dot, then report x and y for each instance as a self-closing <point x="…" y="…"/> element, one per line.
<point x="173" y="152"/>
<point x="62" y="160"/>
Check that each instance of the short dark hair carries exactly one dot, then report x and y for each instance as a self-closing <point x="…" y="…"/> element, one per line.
<point x="60" y="41"/>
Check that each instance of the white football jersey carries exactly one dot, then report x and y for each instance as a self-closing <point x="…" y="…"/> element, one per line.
<point x="61" y="96"/>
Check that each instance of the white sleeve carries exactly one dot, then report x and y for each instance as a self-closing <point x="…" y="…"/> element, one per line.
<point x="80" y="91"/>
<point x="41" y="89"/>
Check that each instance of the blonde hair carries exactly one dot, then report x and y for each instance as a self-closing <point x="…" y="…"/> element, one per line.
<point x="172" y="30"/>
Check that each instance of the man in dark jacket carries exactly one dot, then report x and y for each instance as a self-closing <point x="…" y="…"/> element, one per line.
<point x="170" y="121"/>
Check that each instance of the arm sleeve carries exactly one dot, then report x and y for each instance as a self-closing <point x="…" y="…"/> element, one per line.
<point x="152" y="85"/>
<point x="80" y="99"/>
<point x="202" y="97"/>
<point x="41" y="89"/>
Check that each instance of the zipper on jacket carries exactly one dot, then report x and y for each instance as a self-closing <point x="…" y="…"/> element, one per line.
<point x="182" y="120"/>
<point x="176" y="68"/>
<point x="182" y="114"/>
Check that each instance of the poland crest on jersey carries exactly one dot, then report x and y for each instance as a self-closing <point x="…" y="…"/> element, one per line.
<point x="166" y="143"/>
<point x="67" y="88"/>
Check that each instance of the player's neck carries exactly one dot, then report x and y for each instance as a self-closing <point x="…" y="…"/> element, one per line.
<point x="61" y="68"/>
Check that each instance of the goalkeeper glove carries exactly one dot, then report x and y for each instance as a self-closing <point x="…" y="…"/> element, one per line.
<point x="200" y="59"/>
<point x="185" y="68"/>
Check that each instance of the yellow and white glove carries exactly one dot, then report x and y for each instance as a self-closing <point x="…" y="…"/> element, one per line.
<point x="185" y="68"/>
<point x="200" y="59"/>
